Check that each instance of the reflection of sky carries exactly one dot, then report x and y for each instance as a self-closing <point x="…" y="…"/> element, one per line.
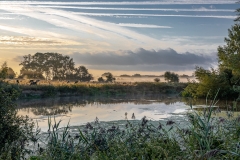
<point x="110" y="112"/>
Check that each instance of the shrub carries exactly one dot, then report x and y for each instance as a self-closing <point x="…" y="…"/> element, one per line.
<point x="15" y="130"/>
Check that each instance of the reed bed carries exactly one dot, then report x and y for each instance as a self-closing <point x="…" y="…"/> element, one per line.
<point x="57" y="88"/>
<point x="199" y="135"/>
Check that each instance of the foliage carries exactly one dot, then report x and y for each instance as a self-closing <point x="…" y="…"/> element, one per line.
<point x="80" y="73"/>
<point x="58" y="88"/>
<point x="100" y="79"/>
<point x="30" y="74"/>
<point x="156" y="80"/>
<point x="3" y="70"/>
<point x="136" y="75"/>
<point x="171" y="77"/>
<point x="209" y="82"/>
<point x="10" y="73"/>
<point x="15" y="130"/>
<point x="110" y="78"/>
<point x="105" y="74"/>
<point x="6" y="72"/>
<point x="52" y="66"/>
<point x="227" y="76"/>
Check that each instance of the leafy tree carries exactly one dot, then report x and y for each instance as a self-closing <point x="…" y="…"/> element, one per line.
<point x="51" y="65"/>
<point x="10" y="73"/>
<point x="171" y="77"/>
<point x="105" y="74"/>
<point x="229" y="54"/>
<point x="82" y="73"/>
<point x="110" y="78"/>
<point x="15" y="130"/>
<point x="210" y="81"/>
<point x="167" y="76"/>
<point x="3" y="70"/>
<point x="30" y="74"/>
<point x="156" y="80"/>
<point x="227" y="76"/>
<point x="137" y="75"/>
<point x="100" y="79"/>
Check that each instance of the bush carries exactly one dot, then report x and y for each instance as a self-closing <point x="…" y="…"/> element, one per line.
<point x="156" y="80"/>
<point x="15" y="130"/>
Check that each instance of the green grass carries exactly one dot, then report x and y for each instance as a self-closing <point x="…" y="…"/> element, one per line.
<point x="98" y="89"/>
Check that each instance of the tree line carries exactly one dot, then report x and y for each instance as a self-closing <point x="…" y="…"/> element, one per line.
<point x="55" y="66"/>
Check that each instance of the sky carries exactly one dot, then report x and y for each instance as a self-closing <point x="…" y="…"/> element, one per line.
<point x="118" y="36"/>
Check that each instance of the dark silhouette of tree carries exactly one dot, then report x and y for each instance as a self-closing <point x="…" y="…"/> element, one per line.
<point x="82" y="73"/>
<point x="136" y="75"/>
<point x="156" y="80"/>
<point x="171" y="77"/>
<point x="3" y="70"/>
<point x="6" y="72"/>
<point x="125" y="75"/>
<point x="52" y="66"/>
<point x="10" y="73"/>
<point x="105" y="74"/>
<point x="110" y="78"/>
<point x="167" y="76"/>
<point x="30" y="74"/>
<point x="100" y="79"/>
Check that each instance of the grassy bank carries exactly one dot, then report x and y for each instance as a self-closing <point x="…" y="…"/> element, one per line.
<point x="98" y="89"/>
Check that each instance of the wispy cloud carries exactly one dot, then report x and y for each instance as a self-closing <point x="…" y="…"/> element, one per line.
<point x="141" y="25"/>
<point x="153" y="15"/>
<point x="5" y="18"/>
<point x="79" y="23"/>
<point x="124" y="2"/>
<point x="202" y="9"/>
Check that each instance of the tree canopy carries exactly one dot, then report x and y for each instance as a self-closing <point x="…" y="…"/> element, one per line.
<point x="6" y="72"/>
<point x="171" y="76"/>
<point x="227" y="76"/>
<point x="53" y="66"/>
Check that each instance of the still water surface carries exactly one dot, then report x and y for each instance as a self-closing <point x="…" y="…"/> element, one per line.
<point x="79" y="111"/>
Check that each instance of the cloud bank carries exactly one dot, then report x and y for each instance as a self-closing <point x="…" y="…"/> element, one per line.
<point x="144" y="60"/>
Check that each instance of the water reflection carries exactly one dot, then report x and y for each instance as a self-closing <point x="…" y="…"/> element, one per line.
<point x="55" y="106"/>
<point x="82" y="110"/>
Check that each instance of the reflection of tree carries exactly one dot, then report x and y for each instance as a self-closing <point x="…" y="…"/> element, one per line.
<point x="55" y="110"/>
<point x="223" y="105"/>
<point x="65" y="105"/>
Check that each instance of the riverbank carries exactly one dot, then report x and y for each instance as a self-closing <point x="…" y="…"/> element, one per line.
<point x="98" y="89"/>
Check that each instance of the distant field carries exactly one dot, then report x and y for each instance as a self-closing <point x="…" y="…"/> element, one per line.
<point x="148" y="79"/>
